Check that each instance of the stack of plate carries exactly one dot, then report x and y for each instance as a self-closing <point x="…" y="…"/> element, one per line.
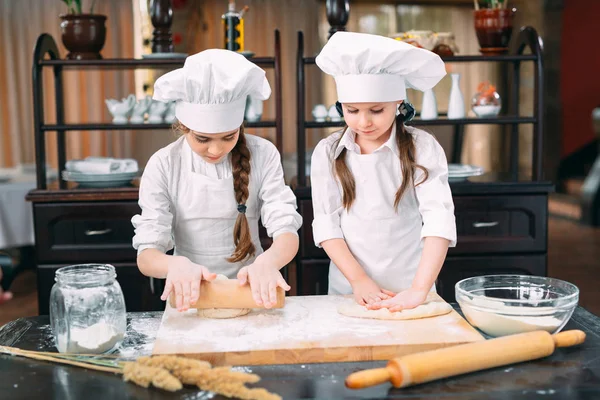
<point x="116" y="179"/>
<point x="101" y="172"/>
<point x="460" y="172"/>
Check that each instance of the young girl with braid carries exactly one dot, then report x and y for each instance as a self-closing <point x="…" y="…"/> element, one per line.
<point x="383" y="209"/>
<point x="204" y="194"/>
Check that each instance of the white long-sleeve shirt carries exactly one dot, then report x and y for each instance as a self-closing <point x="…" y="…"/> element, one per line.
<point x="189" y="204"/>
<point x="386" y="242"/>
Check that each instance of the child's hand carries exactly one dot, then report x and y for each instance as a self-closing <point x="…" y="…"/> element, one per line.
<point x="264" y="278"/>
<point x="183" y="280"/>
<point x="406" y="299"/>
<point x="367" y="292"/>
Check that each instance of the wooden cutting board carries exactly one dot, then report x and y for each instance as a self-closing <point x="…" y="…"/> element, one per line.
<point x="307" y="330"/>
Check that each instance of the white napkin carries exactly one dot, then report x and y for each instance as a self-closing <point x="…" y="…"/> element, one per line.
<point x="102" y="165"/>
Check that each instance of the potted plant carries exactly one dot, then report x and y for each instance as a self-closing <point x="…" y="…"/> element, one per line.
<point x="82" y="34"/>
<point x="493" y="26"/>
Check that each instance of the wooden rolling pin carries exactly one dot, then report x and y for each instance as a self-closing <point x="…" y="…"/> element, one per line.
<point x="228" y="293"/>
<point x="417" y="368"/>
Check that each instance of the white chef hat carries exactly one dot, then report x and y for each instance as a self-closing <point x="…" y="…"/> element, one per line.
<point x="370" y="68"/>
<point x="211" y="90"/>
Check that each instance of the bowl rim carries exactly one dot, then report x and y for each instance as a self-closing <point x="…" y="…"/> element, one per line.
<point x="567" y="298"/>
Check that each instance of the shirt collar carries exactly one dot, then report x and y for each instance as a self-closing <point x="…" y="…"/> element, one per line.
<point x="348" y="141"/>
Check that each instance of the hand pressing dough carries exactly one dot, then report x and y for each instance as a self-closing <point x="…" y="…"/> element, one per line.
<point x="432" y="307"/>
<point x="222" y="313"/>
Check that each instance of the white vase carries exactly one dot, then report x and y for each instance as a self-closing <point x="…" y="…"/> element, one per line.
<point x="429" y="105"/>
<point x="456" y="104"/>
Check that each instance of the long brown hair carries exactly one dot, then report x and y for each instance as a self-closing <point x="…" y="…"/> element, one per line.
<point x="406" y="150"/>
<point x="240" y="165"/>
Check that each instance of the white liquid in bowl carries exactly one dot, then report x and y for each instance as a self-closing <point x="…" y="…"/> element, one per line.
<point x="494" y="320"/>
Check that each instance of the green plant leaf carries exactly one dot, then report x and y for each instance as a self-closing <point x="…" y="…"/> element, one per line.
<point x="69" y="4"/>
<point x="92" y="7"/>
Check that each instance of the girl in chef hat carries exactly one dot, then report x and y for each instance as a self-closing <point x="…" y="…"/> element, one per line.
<point x="204" y="194"/>
<point x="383" y="210"/>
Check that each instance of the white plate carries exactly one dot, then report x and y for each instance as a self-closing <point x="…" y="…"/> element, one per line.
<point x="457" y="178"/>
<point x="97" y="178"/>
<point x="103" y="184"/>
<point x="463" y="170"/>
<point x="165" y="55"/>
<point x="90" y="177"/>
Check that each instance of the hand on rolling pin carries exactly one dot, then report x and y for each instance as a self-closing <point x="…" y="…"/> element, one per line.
<point x="367" y="292"/>
<point x="264" y="278"/>
<point x="406" y="299"/>
<point x="183" y="280"/>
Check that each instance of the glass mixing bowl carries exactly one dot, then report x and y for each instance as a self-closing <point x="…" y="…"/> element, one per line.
<point x="500" y="305"/>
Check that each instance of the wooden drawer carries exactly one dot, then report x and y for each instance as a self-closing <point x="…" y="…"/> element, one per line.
<point x="500" y="224"/>
<point x="84" y="232"/>
<point x="139" y="294"/>
<point x="458" y="268"/>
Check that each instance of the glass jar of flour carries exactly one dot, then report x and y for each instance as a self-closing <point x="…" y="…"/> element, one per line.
<point x="87" y="309"/>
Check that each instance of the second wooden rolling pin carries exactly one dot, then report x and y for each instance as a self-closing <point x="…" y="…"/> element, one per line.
<point x="228" y="293"/>
<point x="424" y="367"/>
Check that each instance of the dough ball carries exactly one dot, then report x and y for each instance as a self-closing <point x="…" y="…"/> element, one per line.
<point x="222" y="313"/>
<point x="432" y="307"/>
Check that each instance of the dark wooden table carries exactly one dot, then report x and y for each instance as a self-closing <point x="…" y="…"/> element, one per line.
<point x="571" y="373"/>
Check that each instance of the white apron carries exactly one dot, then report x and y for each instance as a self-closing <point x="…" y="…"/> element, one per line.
<point x="386" y="242"/>
<point x="204" y="215"/>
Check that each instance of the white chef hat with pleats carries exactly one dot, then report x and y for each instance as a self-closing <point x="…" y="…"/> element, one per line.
<point x="371" y="68"/>
<point x="211" y="90"/>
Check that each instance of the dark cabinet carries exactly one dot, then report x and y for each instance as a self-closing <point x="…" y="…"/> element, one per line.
<point x="496" y="234"/>
<point x="80" y="232"/>
<point x="500" y="224"/>
<point x="84" y="231"/>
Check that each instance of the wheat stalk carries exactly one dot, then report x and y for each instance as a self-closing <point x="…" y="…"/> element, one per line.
<point x="157" y="371"/>
<point x="90" y="362"/>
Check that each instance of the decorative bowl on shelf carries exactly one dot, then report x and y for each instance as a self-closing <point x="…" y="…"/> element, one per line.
<point x="486" y="103"/>
<point x="493" y="27"/>
<point x="157" y="111"/>
<point x="139" y="110"/>
<point x="333" y="114"/>
<point x="83" y="35"/>
<point x="320" y="113"/>
<point x="500" y="305"/>
<point x="121" y="110"/>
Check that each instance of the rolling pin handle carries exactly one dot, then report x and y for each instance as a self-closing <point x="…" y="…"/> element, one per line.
<point x="367" y="378"/>
<point x="569" y="338"/>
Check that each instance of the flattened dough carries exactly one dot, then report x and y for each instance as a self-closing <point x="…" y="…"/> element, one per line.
<point x="430" y="308"/>
<point x="222" y="313"/>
